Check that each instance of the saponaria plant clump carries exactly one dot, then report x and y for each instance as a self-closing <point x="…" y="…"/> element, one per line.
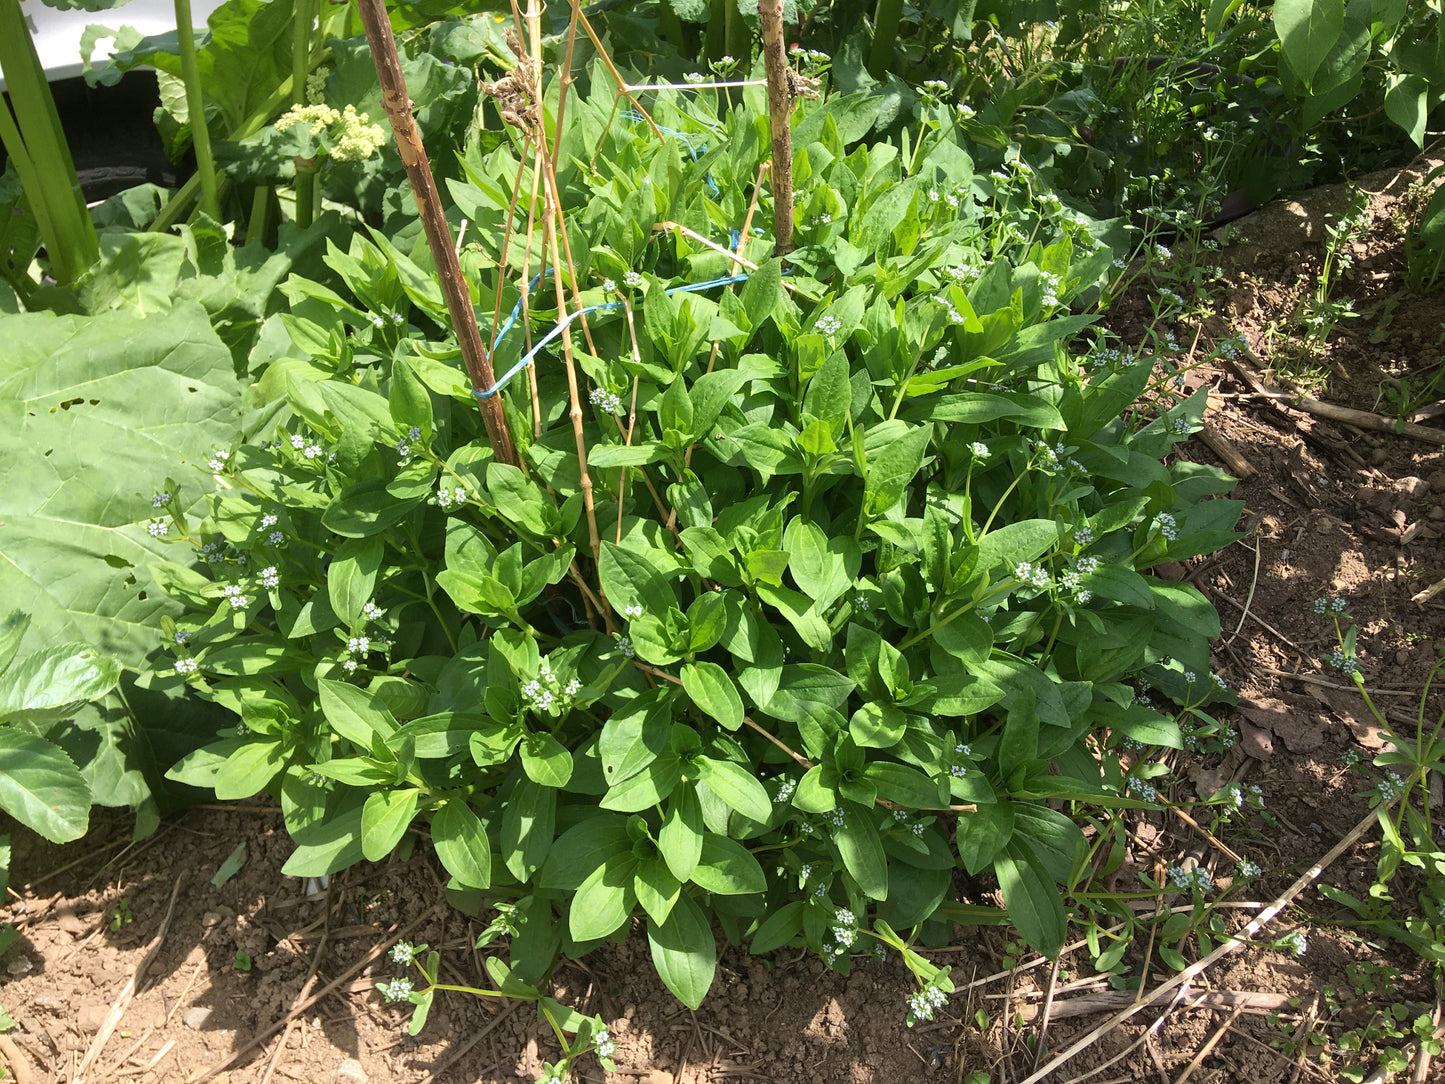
<point x="814" y="585"/>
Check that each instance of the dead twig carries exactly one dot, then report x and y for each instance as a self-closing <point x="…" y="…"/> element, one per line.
<point x="123" y="999"/>
<point x="301" y="1006"/>
<point x="1199" y="967"/>
<point x="1210" y="1044"/>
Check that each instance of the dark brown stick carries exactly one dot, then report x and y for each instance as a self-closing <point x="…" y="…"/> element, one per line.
<point x="439" y="236"/>
<point x="780" y="109"/>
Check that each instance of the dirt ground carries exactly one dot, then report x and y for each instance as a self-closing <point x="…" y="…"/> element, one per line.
<point x="267" y="978"/>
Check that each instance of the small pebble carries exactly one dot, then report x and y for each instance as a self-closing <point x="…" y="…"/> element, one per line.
<point x="350" y="1072"/>
<point x="1402" y="657"/>
<point x="195" y="1017"/>
<point x="1437" y="512"/>
<point x="1411" y="487"/>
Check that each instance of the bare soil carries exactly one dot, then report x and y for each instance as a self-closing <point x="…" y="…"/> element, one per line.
<point x="267" y="978"/>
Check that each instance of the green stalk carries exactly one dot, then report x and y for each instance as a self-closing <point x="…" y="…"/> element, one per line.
<point x="306" y="190"/>
<point x="34" y="140"/>
<point x="196" y="110"/>
<point x="885" y="33"/>
<point x="717" y="27"/>
<point x="260" y="214"/>
<point x="736" y="31"/>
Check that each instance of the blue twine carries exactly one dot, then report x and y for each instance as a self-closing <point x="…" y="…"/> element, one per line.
<point x="687" y="287"/>
<point x="695" y="151"/>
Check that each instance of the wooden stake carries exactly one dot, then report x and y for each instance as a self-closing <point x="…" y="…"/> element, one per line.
<point x="780" y="108"/>
<point x="433" y="219"/>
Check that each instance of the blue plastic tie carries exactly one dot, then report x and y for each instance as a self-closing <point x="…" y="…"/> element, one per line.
<point x="685" y="288"/>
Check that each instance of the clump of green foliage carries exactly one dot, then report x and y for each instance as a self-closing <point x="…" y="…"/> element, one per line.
<point x="827" y="584"/>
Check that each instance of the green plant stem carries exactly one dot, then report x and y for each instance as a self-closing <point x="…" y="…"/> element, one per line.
<point x="260" y="214"/>
<point x="196" y="111"/>
<point x="304" y="19"/>
<point x="886" y="17"/>
<point x="35" y="142"/>
<point x="306" y="190"/>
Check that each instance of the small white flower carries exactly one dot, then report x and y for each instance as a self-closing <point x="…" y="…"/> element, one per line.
<point x="1248" y="868"/>
<point x="395" y="990"/>
<point x="1167" y="526"/>
<point x="624" y="645"/>
<point x="372" y="612"/>
<point x="185" y="666"/>
<point x="180" y="636"/>
<point x="632" y="611"/>
<point x="349" y="666"/>
<point x="695" y="77"/>
<point x="312" y="451"/>
<point x="218" y="462"/>
<point x="275" y="538"/>
<point x="270" y="577"/>
<point x="402" y="952"/>
<point x="159" y="529"/>
<point x="632" y="280"/>
<point x="298" y="441"/>
<point x="573" y="688"/>
<point x="160" y="500"/>
<point x="267" y="522"/>
<point x="979" y="449"/>
<point x="609" y="285"/>
<point x="605" y="1046"/>
<point x="360" y="645"/>
<point x="828" y="325"/>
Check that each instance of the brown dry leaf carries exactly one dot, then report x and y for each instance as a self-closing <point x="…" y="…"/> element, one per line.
<point x="1346" y="705"/>
<point x="1299" y="731"/>
<point x="1255" y="741"/>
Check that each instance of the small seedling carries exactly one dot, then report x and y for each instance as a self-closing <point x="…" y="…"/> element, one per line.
<point x="120" y="916"/>
<point x="243" y="961"/>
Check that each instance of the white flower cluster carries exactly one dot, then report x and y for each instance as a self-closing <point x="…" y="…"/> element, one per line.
<point x="608" y="401"/>
<point x="846" y="930"/>
<point x="1051" y="284"/>
<point x="236" y="596"/>
<point x="395" y="990"/>
<point x="159" y="529"/>
<point x="785" y="792"/>
<point x="1142" y="789"/>
<point x="1345" y="664"/>
<point x="1168" y="527"/>
<point x="1323" y="606"/>
<point x="632" y="280"/>
<point x="160" y="500"/>
<point x="1390" y="787"/>
<point x="1248" y="869"/>
<point x="403" y="952"/>
<point x="1296" y="942"/>
<point x="447" y="499"/>
<point x="1187" y="879"/>
<point x="979" y="449"/>
<point x="186" y="666"/>
<point x="218" y="461"/>
<point x="546" y="693"/>
<point x="828" y="325"/>
<point x="403" y="446"/>
<point x="270" y="577"/>
<point x="1028" y="573"/>
<point x="922" y="1005"/>
<point x="605" y="1046"/>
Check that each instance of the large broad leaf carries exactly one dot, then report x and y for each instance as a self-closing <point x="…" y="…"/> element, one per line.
<point x="41" y="788"/>
<point x="1307" y="32"/>
<point x="155" y="395"/>
<point x="95" y="413"/>
<point x="55" y="682"/>
<point x="242" y="60"/>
